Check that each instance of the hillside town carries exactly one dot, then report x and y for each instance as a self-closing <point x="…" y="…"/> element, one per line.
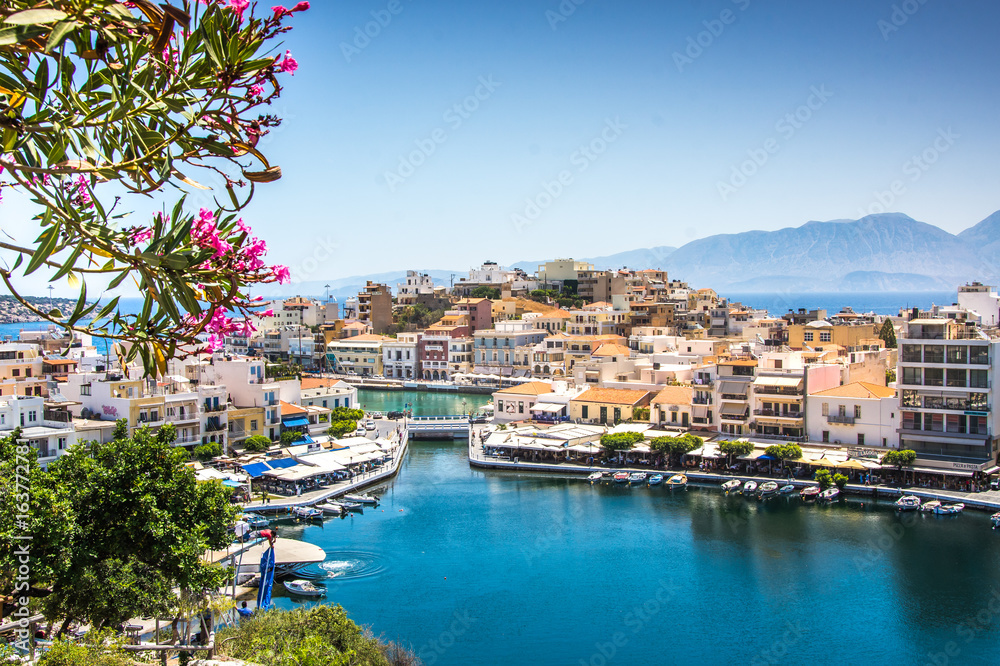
<point x="566" y="344"/>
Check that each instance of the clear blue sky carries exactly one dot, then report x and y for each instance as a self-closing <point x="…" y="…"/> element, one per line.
<point x="888" y="92"/>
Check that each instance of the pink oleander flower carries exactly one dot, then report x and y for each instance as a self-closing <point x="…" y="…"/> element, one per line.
<point x="282" y="274"/>
<point x="256" y="90"/>
<point x="280" y="12"/>
<point x="288" y="64"/>
<point x="239" y="6"/>
<point x="140" y="235"/>
<point x="267" y="313"/>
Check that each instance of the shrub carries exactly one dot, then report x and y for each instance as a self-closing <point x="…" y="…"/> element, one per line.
<point x="731" y="448"/>
<point x="207" y="451"/>
<point x="620" y="441"/>
<point x="784" y="451"/>
<point x="291" y="436"/>
<point x="824" y="478"/>
<point x="899" y="458"/>
<point x="341" y="428"/>
<point x="840" y="480"/>
<point x="257" y="443"/>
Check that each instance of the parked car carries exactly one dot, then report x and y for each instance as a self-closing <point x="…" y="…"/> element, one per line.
<point x="376" y="415"/>
<point x="360" y="431"/>
<point x="394" y="415"/>
<point x="369" y="425"/>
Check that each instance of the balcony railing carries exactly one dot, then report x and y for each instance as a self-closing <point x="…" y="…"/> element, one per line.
<point x="701" y="401"/>
<point x="213" y="426"/>
<point x="734" y="396"/>
<point x="775" y="390"/>
<point x="221" y="407"/>
<point x="777" y="414"/>
<point x="733" y="417"/>
<point x="58" y="415"/>
<point x="912" y="432"/>
<point x="837" y="418"/>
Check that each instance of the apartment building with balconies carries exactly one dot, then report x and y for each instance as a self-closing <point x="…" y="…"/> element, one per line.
<point x="856" y="414"/>
<point x="46" y="428"/>
<point x="732" y="394"/>
<point x="495" y="350"/>
<point x="399" y="356"/>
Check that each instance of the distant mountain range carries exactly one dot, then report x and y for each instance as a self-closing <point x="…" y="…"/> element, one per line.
<point x="887" y="252"/>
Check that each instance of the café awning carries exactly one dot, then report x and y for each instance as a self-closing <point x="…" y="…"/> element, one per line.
<point x="785" y="382"/>
<point x="297" y="422"/>
<point x="737" y="410"/>
<point x="547" y="407"/>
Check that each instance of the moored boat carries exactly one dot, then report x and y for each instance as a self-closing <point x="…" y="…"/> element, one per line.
<point x="350" y="506"/>
<point x="677" y="481"/>
<point x="732" y="485"/>
<point x="655" y="479"/>
<point x="255" y="521"/>
<point x="810" y="492"/>
<point x="303" y="588"/>
<point x="595" y="477"/>
<point x="768" y="488"/>
<point x="334" y="509"/>
<point x="306" y="512"/>
<point x="830" y="494"/>
<point x="361" y="499"/>
<point x="621" y="477"/>
<point x="995" y="519"/>
<point x="907" y="503"/>
<point x="930" y="506"/>
<point x="949" y="509"/>
<point x="749" y="487"/>
<point x="637" y="477"/>
<point x="787" y="489"/>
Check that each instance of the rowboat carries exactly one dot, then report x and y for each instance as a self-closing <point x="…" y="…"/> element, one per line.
<point x="677" y="481"/>
<point x="810" y="492"/>
<point x="620" y="477"/>
<point x="361" y="499"/>
<point x="949" y="509"/>
<point x="655" y="479"/>
<point x="749" y="487"/>
<point x="595" y="477"/>
<point x="731" y="485"/>
<point x="768" y="488"/>
<point x="637" y="477"/>
<point x="306" y="512"/>
<point x="303" y="588"/>
<point x="786" y="489"/>
<point x="829" y="494"/>
<point x="930" y="506"/>
<point x="907" y="503"/>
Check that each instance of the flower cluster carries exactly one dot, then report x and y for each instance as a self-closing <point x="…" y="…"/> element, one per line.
<point x="78" y="191"/>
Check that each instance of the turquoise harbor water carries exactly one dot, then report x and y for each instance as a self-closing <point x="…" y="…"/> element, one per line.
<point x="474" y="567"/>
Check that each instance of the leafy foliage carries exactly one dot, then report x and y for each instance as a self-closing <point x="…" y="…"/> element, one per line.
<point x="291" y="436"/>
<point x="104" y="100"/>
<point x="888" y="334"/>
<point x="257" y="443"/>
<point x="341" y="428"/>
<point x="840" y="480"/>
<point x="484" y="291"/>
<point x="620" y="441"/>
<point x="640" y="413"/>
<point x="677" y="445"/>
<point x="207" y="451"/>
<point x="784" y="451"/>
<point x="901" y="458"/>
<point x="734" y="448"/>
<point x="824" y="478"/>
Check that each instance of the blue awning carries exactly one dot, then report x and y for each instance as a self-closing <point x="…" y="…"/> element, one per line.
<point x="766" y="457"/>
<point x="296" y="422"/>
<point x="306" y="440"/>
<point x="231" y="484"/>
<point x="255" y="470"/>
<point x="282" y="463"/>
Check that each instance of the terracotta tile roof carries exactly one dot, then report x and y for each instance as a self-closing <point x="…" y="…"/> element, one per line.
<point x="674" y="395"/>
<point x="366" y="337"/>
<point x="612" y="396"/>
<point x="287" y="409"/>
<point x="528" y="388"/>
<point x="319" y="382"/>
<point x="611" y="349"/>
<point x="859" y="390"/>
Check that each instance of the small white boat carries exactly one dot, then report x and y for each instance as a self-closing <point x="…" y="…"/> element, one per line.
<point x="907" y="503"/>
<point x="303" y="588"/>
<point x="637" y="477"/>
<point x="255" y="521"/>
<point x="306" y="512"/>
<point x="732" y="485"/>
<point x="655" y="479"/>
<point x="621" y="477"/>
<point x="334" y="509"/>
<point x="949" y="509"/>
<point x="749" y="487"/>
<point x="830" y="494"/>
<point x="361" y="499"/>
<point x="768" y="488"/>
<point x="595" y="477"/>
<point x="995" y="519"/>
<point x="787" y="489"/>
<point x="350" y="506"/>
<point x="677" y="481"/>
<point x="810" y="492"/>
<point x="930" y="506"/>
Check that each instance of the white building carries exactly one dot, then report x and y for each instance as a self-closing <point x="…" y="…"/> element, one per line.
<point x="328" y="393"/>
<point x="981" y="299"/>
<point x="416" y="284"/>
<point x="399" y="356"/>
<point x="858" y="414"/>
<point x="49" y="431"/>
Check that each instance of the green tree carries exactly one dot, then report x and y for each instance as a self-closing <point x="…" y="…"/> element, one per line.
<point x="341" y="428"/>
<point x="206" y="451"/>
<point x="116" y="528"/>
<point x="901" y="458"/>
<point x="612" y="443"/>
<point x="105" y="102"/>
<point x="840" y="480"/>
<point x="640" y="414"/>
<point x="824" y="478"/>
<point x="732" y="448"/>
<point x="256" y="443"/>
<point x="888" y="334"/>
<point x="291" y="436"/>
<point x="784" y="452"/>
<point x="484" y="291"/>
<point x="676" y="446"/>
<point x="346" y="414"/>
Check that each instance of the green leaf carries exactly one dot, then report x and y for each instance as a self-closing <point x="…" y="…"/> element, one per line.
<point x="47" y="243"/>
<point x="19" y="33"/>
<point x="59" y="33"/>
<point x="35" y="16"/>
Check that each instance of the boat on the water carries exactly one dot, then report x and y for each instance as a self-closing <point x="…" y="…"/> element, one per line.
<point x="768" y="488"/>
<point x="830" y="494"/>
<point x="995" y="519"/>
<point x="255" y="521"/>
<point x="655" y="479"/>
<point x="596" y="476"/>
<point x="350" y="506"/>
<point x="787" y="489"/>
<point x="303" y="588"/>
<point x="334" y="509"/>
<point x="907" y="503"/>
<point x="749" y="487"/>
<point x="677" y="481"/>
<point x="949" y="509"/>
<point x="930" y="506"/>
<point x="810" y="492"/>
<point x="732" y="485"/>
<point x="306" y="512"/>
<point x="361" y="499"/>
<point x="637" y="477"/>
<point x="620" y="477"/>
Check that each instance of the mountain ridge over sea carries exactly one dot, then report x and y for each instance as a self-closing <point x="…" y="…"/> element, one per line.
<point x="884" y="252"/>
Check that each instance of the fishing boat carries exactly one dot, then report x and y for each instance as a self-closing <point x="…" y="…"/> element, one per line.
<point x="677" y="481"/>
<point x="655" y="479"/>
<point x="361" y="499"/>
<point x="829" y="494"/>
<point x="303" y="588"/>
<point x="595" y="477"/>
<point x="255" y="521"/>
<point x="949" y="509"/>
<point x="930" y="506"/>
<point x="334" y="509"/>
<point x="637" y="477"/>
<point x="732" y="485"/>
<point x="306" y="512"/>
<point x="350" y="506"/>
<point x="810" y="492"/>
<point x="749" y="487"/>
<point x="620" y="477"/>
<point x="768" y="488"/>
<point x="787" y="489"/>
<point x="995" y="519"/>
<point x="907" y="503"/>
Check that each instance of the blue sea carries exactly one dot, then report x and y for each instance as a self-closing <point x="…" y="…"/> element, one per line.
<point x="883" y="303"/>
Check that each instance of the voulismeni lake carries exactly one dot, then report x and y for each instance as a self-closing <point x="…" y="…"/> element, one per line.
<point x="476" y="567"/>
